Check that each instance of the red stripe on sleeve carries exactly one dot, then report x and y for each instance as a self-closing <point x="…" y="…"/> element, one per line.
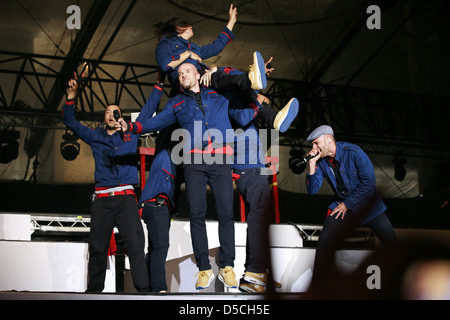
<point x="139" y="127"/>
<point x="227" y="36"/>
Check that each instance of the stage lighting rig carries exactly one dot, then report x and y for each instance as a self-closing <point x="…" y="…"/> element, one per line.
<point x="296" y="163"/>
<point x="9" y="145"/>
<point x="70" y="148"/>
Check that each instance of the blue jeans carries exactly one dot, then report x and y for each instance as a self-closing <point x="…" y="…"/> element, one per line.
<point x="335" y="230"/>
<point x="218" y="177"/>
<point x="255" y="191"/>
<point x="157" y="220"/>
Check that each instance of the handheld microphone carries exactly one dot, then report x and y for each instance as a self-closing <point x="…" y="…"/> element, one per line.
<point x="307" y="158"/>
<point x="117" y="117"/>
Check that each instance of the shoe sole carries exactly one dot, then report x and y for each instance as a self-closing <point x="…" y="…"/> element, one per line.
<point x="249" y="289"/>
<point x="290" y="115"/>
<point x="226" y="285"/>
<point x="254" y="281"/>
<point x="209" y="282"/>
<point x="260" y="70"/>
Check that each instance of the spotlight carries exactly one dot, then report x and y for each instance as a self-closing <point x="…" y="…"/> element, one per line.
<point x="9" y="146"/>
<point x="70" y="148"/>
<point x="295" y="161"/>
<point x="399" y="167"/>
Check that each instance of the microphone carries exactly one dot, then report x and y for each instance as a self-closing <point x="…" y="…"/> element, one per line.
<point x="117" y="116"/>
<point x="307" y="158"/>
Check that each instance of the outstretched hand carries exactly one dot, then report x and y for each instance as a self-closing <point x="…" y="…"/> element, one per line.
<point x="121" y="125"/>
<point x="72" y="88"/>
<point x="233" y="17"/>
<point x="269" y="64"/>
<point x="206" y="78"/>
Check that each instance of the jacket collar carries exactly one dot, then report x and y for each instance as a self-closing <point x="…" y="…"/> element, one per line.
<point x="339" y="152"/>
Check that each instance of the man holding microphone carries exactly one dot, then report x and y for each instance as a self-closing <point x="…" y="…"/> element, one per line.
<point x="350" y="173"/>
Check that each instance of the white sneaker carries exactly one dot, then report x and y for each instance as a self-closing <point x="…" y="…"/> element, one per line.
<point x="257" y="72"/>
<point x="286" y="115"/>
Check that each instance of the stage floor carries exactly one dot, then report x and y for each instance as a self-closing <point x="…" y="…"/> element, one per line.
<point x="28" y="295"/>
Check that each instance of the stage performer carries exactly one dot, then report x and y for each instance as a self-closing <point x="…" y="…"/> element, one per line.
<point x="350" y="173"/>
<point x="203" y="114"/>
<point x="158" y="203"/>
<point x="251" y="178"/>
<point x="158" y="200"/>
<point x="174" y="48"/>
<point x="114" y="201"/>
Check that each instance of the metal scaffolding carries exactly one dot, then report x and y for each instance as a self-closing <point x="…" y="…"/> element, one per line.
<point x="380" y="121"/>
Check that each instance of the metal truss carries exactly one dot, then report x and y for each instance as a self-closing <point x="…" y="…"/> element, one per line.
<point x="380" y="121"/>
<point x="60" y="223"/>
<point x="97" y="78"/>
<point x="312" y="233"/>
<point x="50" y="224"/>
<point x="31" y="119"/>
<point x="382" y="115"/>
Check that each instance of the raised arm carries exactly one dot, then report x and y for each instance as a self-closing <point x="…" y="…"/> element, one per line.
<point x="232" y="12"/>
<point x="68" y="113"/>
<point x="151" y="105"/>
<point x="163" y="119"/>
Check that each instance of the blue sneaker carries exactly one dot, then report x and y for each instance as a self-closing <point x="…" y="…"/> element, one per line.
<point x="286" y="115"/>
<point x="257" y="73"/>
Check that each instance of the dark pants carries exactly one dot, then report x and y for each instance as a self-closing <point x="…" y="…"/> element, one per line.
<point x="157" y="220"/>
<point x="120" y="211"/>
<point x="232" y="81"/>
<point x="237" y="81"/>
<point x="335" y="230"/>
<point x="255" y="190"/>
<point x="218" y="177"/>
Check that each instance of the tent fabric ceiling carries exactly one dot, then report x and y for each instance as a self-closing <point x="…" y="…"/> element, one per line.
<point x="407" y="54"/>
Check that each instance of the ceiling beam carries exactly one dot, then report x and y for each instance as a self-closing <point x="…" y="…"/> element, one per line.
<point x="77" y="50"/>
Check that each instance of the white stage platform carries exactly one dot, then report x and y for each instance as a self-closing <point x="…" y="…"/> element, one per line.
<point x="58" y="269"/>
